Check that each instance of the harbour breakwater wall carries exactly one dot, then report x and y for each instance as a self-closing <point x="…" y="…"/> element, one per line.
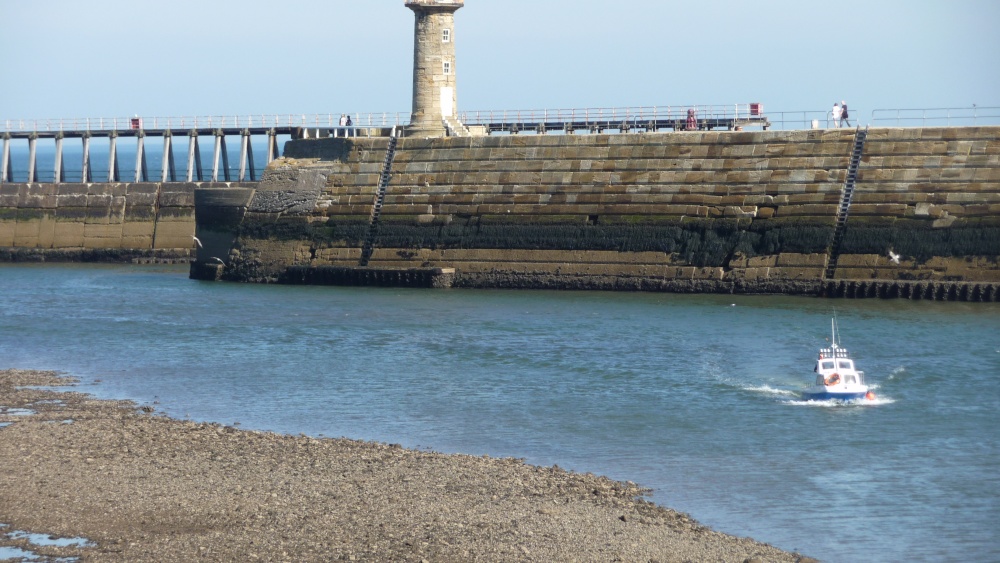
<point x="753" y="212"/>
<point x="103" y="222"/>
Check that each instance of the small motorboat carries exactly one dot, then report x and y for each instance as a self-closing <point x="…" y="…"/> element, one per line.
<point x="836" y="375"/>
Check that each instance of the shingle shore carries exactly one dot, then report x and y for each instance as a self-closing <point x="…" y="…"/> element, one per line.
<point x="144" y="487"/>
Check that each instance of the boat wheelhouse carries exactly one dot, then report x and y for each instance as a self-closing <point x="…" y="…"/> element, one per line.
<point x="837" y="377"/>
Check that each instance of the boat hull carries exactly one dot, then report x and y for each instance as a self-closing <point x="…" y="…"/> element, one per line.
<point x="826" y="395"/>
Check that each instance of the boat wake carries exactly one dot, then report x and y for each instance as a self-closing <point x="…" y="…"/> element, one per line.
<point x="836" y="403"/>
<point x="898" y="372"/>
<point x="768" y="390"/>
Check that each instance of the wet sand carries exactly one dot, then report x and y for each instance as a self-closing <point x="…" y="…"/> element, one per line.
<point x="145" y="487"/>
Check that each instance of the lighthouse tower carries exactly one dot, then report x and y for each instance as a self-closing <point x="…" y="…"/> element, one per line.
<point x="434" y="96"/>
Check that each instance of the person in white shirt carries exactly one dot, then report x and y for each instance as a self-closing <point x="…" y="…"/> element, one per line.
<point x="837" y="112"/>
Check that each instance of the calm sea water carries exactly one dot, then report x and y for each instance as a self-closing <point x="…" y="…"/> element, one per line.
<point x="693" y="396"/>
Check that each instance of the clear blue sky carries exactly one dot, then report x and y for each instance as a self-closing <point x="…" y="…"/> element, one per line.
<point x="104" y="58"/>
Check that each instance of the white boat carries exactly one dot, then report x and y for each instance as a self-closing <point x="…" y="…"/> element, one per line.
<point x="836" y="375"/>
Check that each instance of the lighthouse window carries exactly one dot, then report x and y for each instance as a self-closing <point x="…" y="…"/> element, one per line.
<point x="447" y="67"/>
<point x="446" y="36"/>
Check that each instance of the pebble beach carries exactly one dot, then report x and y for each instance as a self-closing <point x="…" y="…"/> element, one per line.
<point x="140" y="486"/>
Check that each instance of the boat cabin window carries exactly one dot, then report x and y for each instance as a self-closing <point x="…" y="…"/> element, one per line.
<point x="850" y="379"/>
<point x="845" y="364"/>
<point x="826" y="364"/>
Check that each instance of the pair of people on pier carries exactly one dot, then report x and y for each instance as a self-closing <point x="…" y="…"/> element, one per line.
<point x="840" y="115"/>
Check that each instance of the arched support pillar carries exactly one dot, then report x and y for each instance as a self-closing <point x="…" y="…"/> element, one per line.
<point x="168" y="172"/>
<point x="246" y="156"/>
<point x="194" y="157"/>
<point x="86" y="175"/>
<point x="113" y="173"/>
<point x="220" y="153"/>
<point x="32" y="158"/>
<point x="58" y="170"/>
<point x="6" y="172"/>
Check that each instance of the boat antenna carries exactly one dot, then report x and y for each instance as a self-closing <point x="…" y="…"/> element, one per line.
<point x="833" y="327"/>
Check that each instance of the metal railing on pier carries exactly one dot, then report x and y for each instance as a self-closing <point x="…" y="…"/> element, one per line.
<point x="632" y="117"/>
<point x="253" y="122"/>
<point x="643" y="118"/>
<point x="936" y="117"/>
<point x="22" y="158"/>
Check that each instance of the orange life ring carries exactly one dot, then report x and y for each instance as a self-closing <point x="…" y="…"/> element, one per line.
<point x="832" y="379"/>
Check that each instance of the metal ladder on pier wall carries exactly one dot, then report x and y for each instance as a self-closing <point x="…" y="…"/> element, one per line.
<point x="845" y="201"/>
<point x="383" y="184"/>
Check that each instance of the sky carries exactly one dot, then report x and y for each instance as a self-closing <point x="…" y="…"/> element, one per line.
<point x="110" y="58"/>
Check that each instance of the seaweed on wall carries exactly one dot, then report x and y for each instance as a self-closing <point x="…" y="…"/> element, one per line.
<point x="701" y="242"/>
<point x="921" y="240"/>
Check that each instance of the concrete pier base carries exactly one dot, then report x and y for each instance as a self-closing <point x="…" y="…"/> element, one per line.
<point x="917" y="290"/>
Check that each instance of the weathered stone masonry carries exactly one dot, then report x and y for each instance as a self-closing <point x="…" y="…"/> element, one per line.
<point x="100" y="221"/>
<point x="708" y="211"/>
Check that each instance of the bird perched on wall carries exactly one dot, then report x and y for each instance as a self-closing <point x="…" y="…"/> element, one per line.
<point x="197" y="240"/>
<point x="219" y="260"/>
<point x="893" y="256"/>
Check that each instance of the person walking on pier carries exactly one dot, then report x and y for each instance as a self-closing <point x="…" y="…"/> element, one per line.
<point x="692" y="122"/>
<point x="836" y="113"/>
<point x="843" y="114"/>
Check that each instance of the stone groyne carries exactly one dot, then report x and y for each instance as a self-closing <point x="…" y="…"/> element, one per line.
<point x="753" y="212"/>
<point x="103" y="222"/>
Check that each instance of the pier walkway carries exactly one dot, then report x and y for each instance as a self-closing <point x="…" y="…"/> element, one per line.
<point x="101" y="157"/>
<point x="19" y="160"/>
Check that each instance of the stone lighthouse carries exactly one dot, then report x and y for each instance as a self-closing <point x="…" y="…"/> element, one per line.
<point x="434" y="96"/>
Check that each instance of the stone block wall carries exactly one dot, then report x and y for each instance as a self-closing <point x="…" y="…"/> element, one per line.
<point x="115" y="220"/>
<point x="716" y="211"/>
<point x="522" y="210"/>
<point x="932" y="195"/>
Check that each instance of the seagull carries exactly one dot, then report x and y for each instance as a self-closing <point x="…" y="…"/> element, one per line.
<point x="893" y="256"/>
<point x="197" y="240"/>
<point x="217" y="259"/>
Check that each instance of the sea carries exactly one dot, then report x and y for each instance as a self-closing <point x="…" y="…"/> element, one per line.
<point x="694" y="396"/>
